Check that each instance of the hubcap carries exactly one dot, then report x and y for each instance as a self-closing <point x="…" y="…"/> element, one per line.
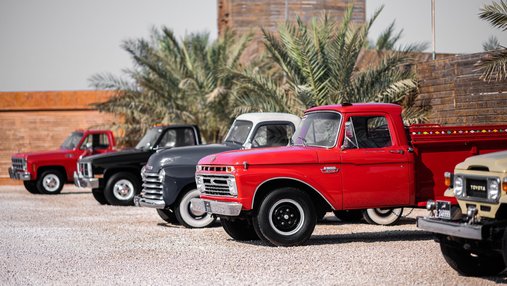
<point x="51" y="182"/>
<point x="286" y="217"/>
<point x="123" y="190"/>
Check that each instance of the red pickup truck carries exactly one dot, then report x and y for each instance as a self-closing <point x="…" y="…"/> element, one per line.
<point x="350" y="159"/>
<point x="47" y="172"/>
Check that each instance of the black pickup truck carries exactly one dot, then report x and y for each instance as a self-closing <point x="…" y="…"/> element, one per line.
<point x="115" y="178"/>
<point x="169" y="176"/>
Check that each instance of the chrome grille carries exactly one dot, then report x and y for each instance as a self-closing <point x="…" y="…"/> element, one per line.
<point x="18" y="163"/>
<point x="217" y="185"/>
<point x="152" y="187"/>
<point x="85" y="169"/>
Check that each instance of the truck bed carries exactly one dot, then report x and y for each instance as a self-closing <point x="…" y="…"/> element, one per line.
<point x="439" y="148"/>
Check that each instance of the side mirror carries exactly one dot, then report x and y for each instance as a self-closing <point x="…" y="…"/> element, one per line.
<point x="89" y="146"/>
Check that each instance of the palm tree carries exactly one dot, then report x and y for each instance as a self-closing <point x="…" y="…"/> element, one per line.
<point x="319" y="65"/>
<point x="494" y="65"/>
<point x="186" y="81"/>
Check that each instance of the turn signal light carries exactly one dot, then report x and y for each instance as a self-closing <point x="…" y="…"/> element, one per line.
<point x="448" y="179"/>
<point x="504" y="185"/>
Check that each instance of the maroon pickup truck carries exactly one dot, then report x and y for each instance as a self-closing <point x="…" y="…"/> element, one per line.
<point x="46" y="172"/>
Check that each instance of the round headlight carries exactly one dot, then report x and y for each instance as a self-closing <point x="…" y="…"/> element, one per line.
<point x="161" y="175"/>
<point x="458" y="186"/>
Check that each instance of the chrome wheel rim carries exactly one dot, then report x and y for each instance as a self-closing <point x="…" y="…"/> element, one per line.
<point x="51" y="182"/>
<point x="123" y="190"/>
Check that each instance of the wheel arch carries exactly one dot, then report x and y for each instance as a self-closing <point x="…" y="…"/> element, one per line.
<point x="319" y="201"/>
<point x="59" y="168"/>
<point x="108" y="173"/>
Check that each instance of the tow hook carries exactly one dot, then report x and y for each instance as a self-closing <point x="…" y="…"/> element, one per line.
<point x="472" y="215"/>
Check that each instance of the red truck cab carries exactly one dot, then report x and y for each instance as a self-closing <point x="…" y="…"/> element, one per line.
<point x="46" y="172"/>
<point x="349" y="159"/>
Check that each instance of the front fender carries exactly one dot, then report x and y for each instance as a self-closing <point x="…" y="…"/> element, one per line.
<point x="176" y="180"/>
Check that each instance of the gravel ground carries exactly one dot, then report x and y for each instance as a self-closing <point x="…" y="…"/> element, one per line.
<point x="70" y="239"/>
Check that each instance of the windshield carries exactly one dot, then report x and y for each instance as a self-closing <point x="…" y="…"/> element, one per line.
<point x="239" y="132"/>
<point x="149" y="139"/>
<point x="318" y="129"/>
<point x="71" y="142"/>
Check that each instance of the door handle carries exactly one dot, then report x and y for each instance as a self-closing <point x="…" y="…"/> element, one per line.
<point x="401" y="152"/>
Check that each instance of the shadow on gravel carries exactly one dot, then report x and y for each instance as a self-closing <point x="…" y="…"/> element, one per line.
<point x="73" y="193"/>
<point x="369" y="237"/>
<point x="500" y="279"/>
<point x="169" y="225"/>
<point x="335" y="221"/>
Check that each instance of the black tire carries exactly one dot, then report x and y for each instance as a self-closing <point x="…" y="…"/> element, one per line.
<point x="382" y="216"/>
<point x="239" y="229"/>
<point x="50" y="182"/>
<point x="98" y="194"/>
<point x="467" y="263"/>
<point x="31" y="187"/>
<point x="121" y="188"/>
<point x="286" y="217"/>
<point x="168" y="216"/>
<point x="349" y="215"/>
<point x="186" y="216"/>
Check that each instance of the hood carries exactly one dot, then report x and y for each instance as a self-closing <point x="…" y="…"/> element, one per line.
<point x="496" y="162"/>
<point x="53" y="154"/>
<point x="119" y="157"/>
<point x="265" y="156"/>
<point x="185" y="156"/>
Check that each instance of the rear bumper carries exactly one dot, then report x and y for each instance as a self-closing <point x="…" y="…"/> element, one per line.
<point x="82" y="182"/>
<point x="215" y="207"/>
<point x="469" y="231"/>
<point x="17" y="175"/>
<point x="149" y="203"/>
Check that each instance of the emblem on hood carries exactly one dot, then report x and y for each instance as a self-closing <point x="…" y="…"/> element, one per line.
<point x="148" y="167"/>
<point x="212" y="159"/>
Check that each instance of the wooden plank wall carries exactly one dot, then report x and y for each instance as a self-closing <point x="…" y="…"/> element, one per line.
<point x="457" y="96"/>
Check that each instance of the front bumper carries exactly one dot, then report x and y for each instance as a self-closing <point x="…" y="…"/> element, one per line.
<point x="149" y="203"/>
<point x="463" y="230"/>
<point x="215" y="207"/>
<point x="83" y="182"/>
<point x="19" y="175"/>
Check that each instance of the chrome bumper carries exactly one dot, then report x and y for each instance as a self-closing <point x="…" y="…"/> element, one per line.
<point x="457" y="229"/>
<point x="83" y="182"/>
<point x="149" y="203"/>
<point x="16" y="175"/>
<point x="215" y="207"/>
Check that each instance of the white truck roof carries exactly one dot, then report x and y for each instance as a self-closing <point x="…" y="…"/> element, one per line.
<point x="257" y="117"/>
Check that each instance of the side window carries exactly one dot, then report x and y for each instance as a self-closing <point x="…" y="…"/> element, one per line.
<point x="272" y="135"/>
<point x="367" y="132"/>
<point x="88" y="139"/>
<point x="188" y="137"/>
<point x="169" y="139"/>
<point x="101" y="141"/>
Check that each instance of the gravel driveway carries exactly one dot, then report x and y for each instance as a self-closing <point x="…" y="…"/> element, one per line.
<point x="70" y="239"/>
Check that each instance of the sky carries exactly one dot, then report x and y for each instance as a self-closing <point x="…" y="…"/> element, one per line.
<point x="60" y="44"/>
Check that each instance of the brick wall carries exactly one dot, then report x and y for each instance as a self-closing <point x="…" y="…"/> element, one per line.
<point x="36" y="121"/>
<point x="244" y="16"/>
<point x="457" y="96"/>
